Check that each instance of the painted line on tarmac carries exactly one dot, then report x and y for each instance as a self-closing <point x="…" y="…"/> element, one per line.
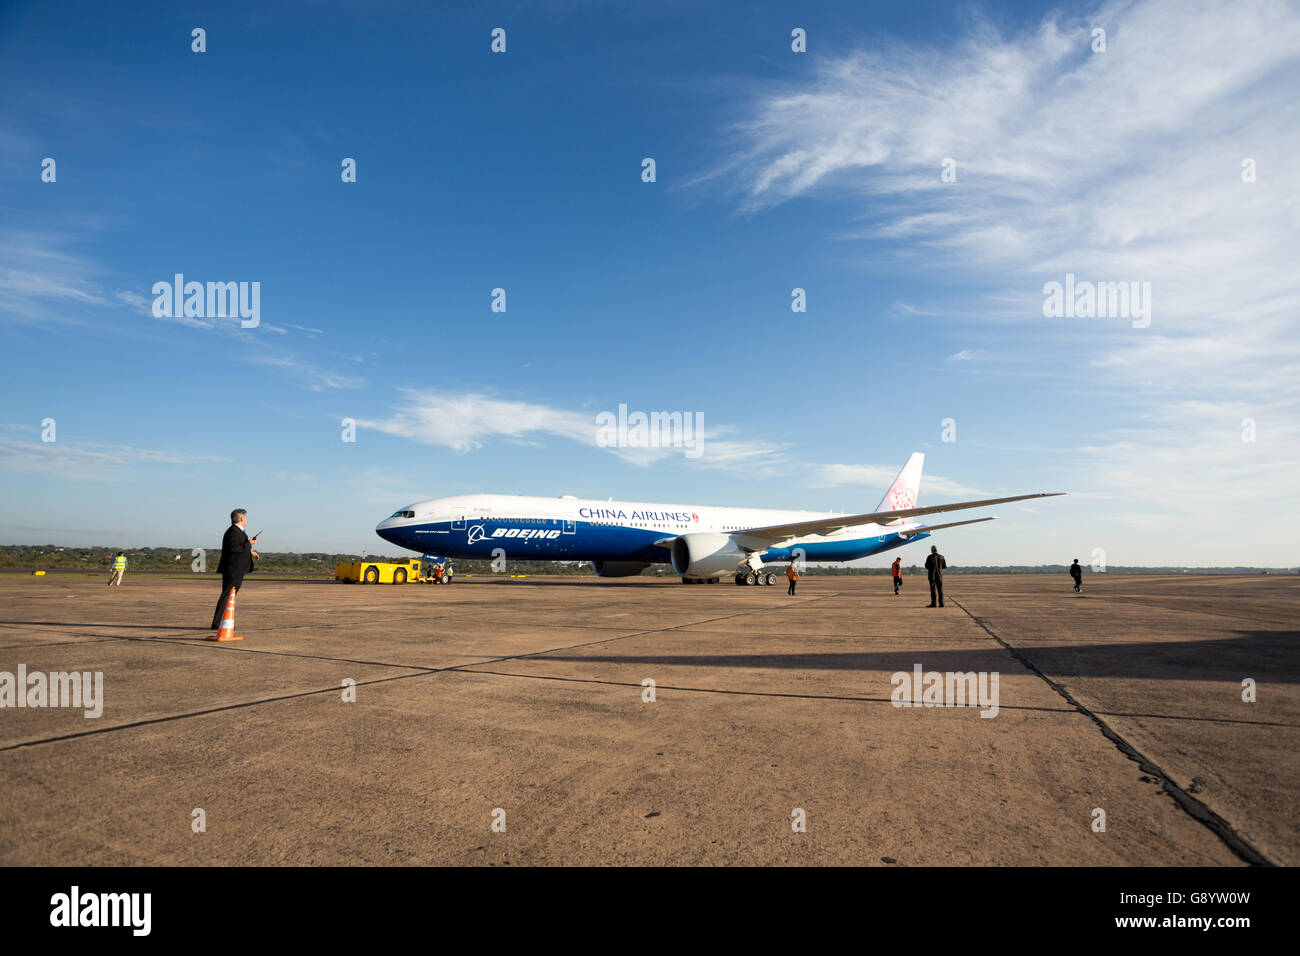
<point x="79" y="642"/>
<point x="200" y="713"/>
<point x="417" y="672"/>
<point x="745" y="693"/>
<point x="1220" y="827"/>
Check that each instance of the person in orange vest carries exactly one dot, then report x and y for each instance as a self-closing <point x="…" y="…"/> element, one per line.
<point x="897" y="569"/>
<point x="792" y="573"/>
<point x="437" y="574"/>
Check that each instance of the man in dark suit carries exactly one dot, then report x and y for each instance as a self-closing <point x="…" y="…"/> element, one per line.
<point x="237" y="556"/>
<point x="934" y="565"/>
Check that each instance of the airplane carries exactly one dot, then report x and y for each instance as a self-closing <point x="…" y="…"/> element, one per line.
<point x="702" y="544"/>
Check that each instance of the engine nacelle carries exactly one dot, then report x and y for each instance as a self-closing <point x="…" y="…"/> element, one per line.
<point x="618" y="569"/>
<point x="706" y="555"/>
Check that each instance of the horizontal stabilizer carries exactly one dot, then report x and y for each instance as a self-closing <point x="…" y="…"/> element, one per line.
<point x="950" y="524"/>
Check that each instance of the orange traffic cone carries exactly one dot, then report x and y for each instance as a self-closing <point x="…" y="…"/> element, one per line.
<point x="226" y="632"/>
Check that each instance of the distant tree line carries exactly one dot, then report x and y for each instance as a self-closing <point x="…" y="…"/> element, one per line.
<point x="51" y="557"/>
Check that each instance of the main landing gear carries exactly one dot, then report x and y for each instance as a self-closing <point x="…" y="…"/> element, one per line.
<point x="756" y="577"/>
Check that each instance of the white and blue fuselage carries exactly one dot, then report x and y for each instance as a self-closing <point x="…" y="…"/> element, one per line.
<point x="575" y="529"/>
<point x="701" y="542"/>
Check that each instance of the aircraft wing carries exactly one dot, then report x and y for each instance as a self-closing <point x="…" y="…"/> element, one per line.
<point x="774" y="534"/>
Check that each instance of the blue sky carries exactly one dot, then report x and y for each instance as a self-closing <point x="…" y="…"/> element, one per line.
<point x="775" y="170"/>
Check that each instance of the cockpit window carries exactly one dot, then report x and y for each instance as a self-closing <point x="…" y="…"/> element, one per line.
<point x="403" y="514"/>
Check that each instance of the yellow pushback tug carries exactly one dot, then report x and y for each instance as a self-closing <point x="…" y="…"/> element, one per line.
<point x="410" y="571"/>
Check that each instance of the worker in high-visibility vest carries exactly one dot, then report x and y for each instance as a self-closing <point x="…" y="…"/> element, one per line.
<point x="897" y="569"/>
<point x="793" y="574"/>
<point x="119" y="568"/>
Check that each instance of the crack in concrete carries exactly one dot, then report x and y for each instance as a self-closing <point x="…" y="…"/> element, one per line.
<point x="1197" y="810"/>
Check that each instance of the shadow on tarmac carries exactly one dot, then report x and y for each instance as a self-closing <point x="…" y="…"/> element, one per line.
<point x="1262" y="655"/>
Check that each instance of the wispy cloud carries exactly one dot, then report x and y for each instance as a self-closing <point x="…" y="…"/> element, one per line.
<point x="86" y="460"/>
<point x="1123" y="165"/>
<point x="465" y="422"/>
<point x="882" y="476"/>
<point x="1112" y="165"/>
<point x="39" y="280"/>
<point x="314" y="377"/>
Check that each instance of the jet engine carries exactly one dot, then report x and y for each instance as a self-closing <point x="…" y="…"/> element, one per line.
<point x="706" y="555"/>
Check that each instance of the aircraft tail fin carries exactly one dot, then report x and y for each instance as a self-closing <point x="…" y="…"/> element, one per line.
<point x="906" y="487"/>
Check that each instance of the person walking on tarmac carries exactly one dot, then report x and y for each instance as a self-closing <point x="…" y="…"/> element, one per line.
<point x="793" y="574"/>
<point x="237" y="556"/>
<point x="897" y="570"/>
<point x="934" y="565"/>
<point x="119" y="568"/>
<point x="1076" y="572"/>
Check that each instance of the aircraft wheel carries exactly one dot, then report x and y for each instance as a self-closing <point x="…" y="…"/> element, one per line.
<point x="739" y="579"/>
<point x="751" y="578"/>
<point x="769" y="579"/>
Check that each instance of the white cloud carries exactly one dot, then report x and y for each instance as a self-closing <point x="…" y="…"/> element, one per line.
<point x="1116" y="165"/>
<point x="315" y="377"/>
<point x="882" y="476"/>
<point x="39" y="281"/>
<point x="1122" y="165"/>
<point x="464" y="422"/>
<point x="86" y="460"/>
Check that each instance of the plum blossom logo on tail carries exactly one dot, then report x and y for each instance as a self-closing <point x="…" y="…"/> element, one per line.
<point x="900" y="497"/>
